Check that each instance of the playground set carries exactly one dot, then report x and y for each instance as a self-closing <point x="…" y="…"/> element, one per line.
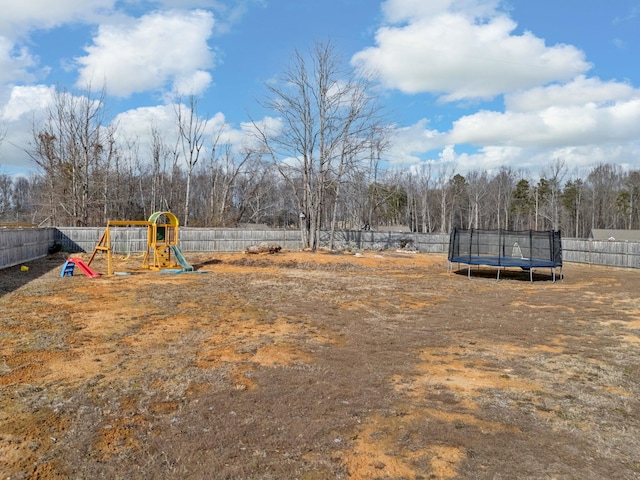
<point x="162" y="252"/>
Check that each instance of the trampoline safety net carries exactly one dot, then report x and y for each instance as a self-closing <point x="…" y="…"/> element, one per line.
<point x="527" y="249"/>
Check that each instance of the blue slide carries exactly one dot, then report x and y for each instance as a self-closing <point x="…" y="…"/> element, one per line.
<point x="186" y="266"/>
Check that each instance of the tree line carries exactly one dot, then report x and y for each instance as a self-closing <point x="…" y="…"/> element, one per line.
<point x="321" y="167"/>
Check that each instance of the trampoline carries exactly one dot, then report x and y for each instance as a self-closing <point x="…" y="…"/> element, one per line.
<point x="525" y="249"/>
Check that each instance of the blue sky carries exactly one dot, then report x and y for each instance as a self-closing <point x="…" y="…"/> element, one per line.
<point x="478" y="84"/>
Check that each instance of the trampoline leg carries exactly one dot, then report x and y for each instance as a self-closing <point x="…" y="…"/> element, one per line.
<point x="498" y="276"/>
<point x="531" y="275"/>
<point x="469" y="271"/>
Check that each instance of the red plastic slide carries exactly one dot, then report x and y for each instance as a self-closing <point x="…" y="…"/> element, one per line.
<point x="84" y="267"/>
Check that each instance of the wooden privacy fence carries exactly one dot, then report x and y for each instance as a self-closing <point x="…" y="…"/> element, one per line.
<point x="26" y="244"/>
<point x="134" y="239"/>
<point x="126" y="240"/>
<point x="20" y="245"/>
<point x="597" y="252"/>
<point x="371" y="240"/>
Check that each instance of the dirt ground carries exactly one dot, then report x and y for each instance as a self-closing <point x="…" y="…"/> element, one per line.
<point x="319" y="366"/>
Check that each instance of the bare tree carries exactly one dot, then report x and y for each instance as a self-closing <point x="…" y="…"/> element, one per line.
<point x="160" y="154"/>
<point x="6" y="187"/>
<point x="477" y="187"/>
<point x="446" y="195"/>
<point x="224" y="178"/>
<point x="6" y="184"/>
<point x="255" y="189"/>
<point x="328" y="119"/>
<point x="424" y="185"/>
<point x="191" y="130"/>
<point x="104" y="175"/>
<point x="572" y="196"/>
<point x="501" y="189"/>
<point x="632" y="186"/>
<point x="604" y="182"/>
<point x="361" y="132"/>
<point x="25" y="197"/>
<point x="548" y="197"/>
<point x="222" y="195"/>
<point x="69" y="149"/>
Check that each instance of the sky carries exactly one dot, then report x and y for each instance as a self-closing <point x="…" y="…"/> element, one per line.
<point x="475" y="84"/>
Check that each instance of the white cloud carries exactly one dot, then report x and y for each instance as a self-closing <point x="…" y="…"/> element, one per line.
<point x="26" y="101"/>
<point x="137" y="123"/>
<point x="603" y="113"/>
<point x="20" y="108"/>
<point x="227" y="13"/>
<point x="463" y="49"/>
<point x="536" y="160"/>
<point x="20" y="17"/>
<point x="163" y="51"/>
<point x="248" y="135"/>
<point x="619" y="43"/>
<point x="195" y="82"/>
<point x="14" y="62"/>
<point x="632" y="15"/>
<point x="530" y="161"/>
<point x="486" y="158"/>
<point x="585" y="122"/>
<point x="466" y="49"/>
<point x="399" y="11"/>
<point x="578" y="92"/>
<point x="408" y="144"/>
<point x="531" y="141"/>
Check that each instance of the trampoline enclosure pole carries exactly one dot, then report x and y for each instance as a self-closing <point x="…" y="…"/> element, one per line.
<point x="531" y="255"/>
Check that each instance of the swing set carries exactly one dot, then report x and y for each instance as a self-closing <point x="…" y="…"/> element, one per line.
<point x="162" y="242"/>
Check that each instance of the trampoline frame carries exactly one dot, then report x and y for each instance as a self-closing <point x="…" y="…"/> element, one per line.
<point x="499" y="248"/>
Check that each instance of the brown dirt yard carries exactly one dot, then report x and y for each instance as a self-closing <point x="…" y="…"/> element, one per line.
<point x="316" y="366"/>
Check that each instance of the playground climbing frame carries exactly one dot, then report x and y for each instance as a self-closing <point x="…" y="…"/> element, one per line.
<point x="162" y="242"/>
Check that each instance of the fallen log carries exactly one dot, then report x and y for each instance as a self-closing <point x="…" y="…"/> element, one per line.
<point x="264" y="247"/>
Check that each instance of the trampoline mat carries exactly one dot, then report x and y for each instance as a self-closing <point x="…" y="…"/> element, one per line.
<point x="498" y="261"/>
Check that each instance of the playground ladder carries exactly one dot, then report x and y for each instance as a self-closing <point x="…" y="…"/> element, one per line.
<point x="67" y="269"/>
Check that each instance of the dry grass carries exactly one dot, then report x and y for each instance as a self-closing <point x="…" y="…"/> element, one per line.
<point x="318" y="366"/>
